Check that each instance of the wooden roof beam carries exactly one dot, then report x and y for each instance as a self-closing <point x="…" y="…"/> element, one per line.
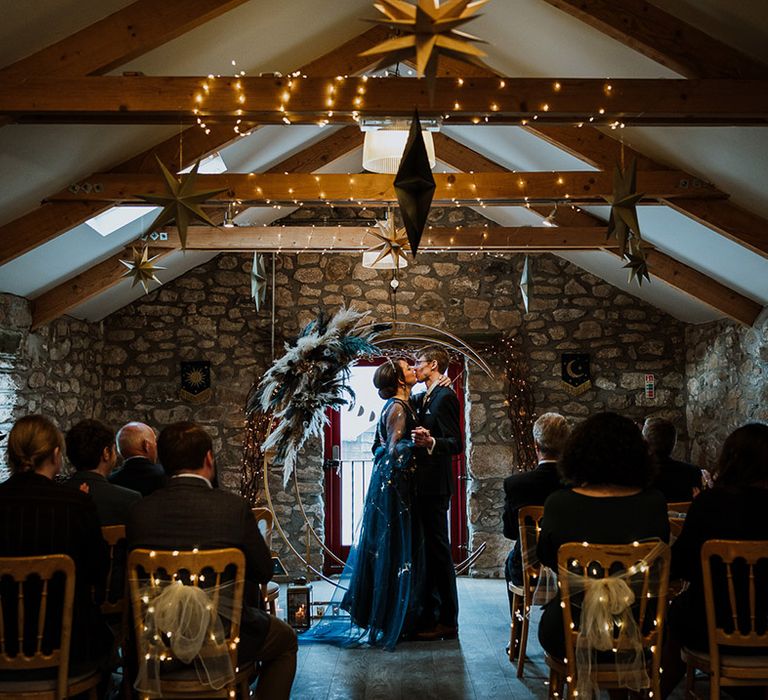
<point x="662" y="266"/>
<point x="297" y="239"/>
<point x="122" y="36"/>
<point x="663" y="38"/>
<point x="102" y="276"/>
<point x="46" y="222"/>
<point x="296" y="188"/>
<point x="269" y="100"/>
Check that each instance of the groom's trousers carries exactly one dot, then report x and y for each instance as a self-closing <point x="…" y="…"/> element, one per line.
<point x="441" y="600"/>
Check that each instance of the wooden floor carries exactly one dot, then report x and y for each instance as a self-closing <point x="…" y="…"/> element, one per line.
<point x="473" y="667"/>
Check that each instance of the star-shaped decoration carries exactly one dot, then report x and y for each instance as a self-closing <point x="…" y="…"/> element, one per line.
<point x="182" y="203"/>
<point x="428" y="29"/>
<point x="141" y="269"/>
<point x="258" y="280"/>
<point x="623" y="223"/>
<point x="414" y="185"/>
<point x="526" y="283"/>
<point x="393" y="242"/>
<point x="637" y="264"/>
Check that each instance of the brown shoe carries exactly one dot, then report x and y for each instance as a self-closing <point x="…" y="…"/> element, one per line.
<point x="438" y="632"/>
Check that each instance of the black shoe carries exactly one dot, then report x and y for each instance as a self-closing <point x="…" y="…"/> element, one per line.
<point x="438" y="632"/>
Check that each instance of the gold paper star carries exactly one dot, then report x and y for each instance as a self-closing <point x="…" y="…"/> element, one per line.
<point x="141" y="268"/>
<point x="258" y="280"/>
<point x="393" y="242"/>
<point x="182" y="203"/>
<point x="623" y="223"/>
<point x="428" y="31"/>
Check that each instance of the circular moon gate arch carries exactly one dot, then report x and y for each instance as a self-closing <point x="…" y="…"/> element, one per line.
<point x="453" y="343"/>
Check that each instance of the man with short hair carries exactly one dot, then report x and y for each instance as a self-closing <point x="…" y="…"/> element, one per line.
<point x="678" y="481"/>
<point x="437" y="439"/>
<point x="550" y="432"/>
<point x="137" y="445"/>
<point x="189" y="513"/>
<point x="91" y="451"/>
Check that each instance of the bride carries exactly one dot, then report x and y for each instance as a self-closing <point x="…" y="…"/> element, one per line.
<point x="384" y="573"/>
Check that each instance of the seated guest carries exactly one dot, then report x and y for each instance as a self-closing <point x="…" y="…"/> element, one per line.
<point x="606" y="464"/>
<point x="91" y="450"/>
<point x="42" y="517"/>
<point x="188" y="513"/>
<point x="678" y="481"/>
<point x="734" y="509"/>
<point x="550" y="432"/>
<point x="137" y="445"/>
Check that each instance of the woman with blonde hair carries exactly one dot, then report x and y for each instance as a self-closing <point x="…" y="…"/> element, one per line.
<point x="39" y="517"/>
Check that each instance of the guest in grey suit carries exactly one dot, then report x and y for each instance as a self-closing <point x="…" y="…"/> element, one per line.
<point x="188" y="513"/>
<point x="91" y="451"/>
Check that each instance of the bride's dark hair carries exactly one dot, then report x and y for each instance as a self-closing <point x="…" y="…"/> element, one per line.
<point x="387" y="378"/>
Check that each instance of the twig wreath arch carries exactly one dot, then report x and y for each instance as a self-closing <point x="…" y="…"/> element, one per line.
<point x="311" y="377"/>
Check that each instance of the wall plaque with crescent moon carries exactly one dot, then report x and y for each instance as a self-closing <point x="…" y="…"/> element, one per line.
<point x="575" y="372"/>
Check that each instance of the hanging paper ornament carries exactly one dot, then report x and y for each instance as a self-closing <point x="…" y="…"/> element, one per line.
<point x="393" y="241"/>
<point x="141" y="269"/>
<point x="414" y="185"/>
<point x="258" y="280"/>
<point x="427" y="30"/>
<point x="526" y="283"/>
<point x="182" y="203"/>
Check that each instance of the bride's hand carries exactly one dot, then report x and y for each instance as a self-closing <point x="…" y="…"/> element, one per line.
<point x="444" y="380"/>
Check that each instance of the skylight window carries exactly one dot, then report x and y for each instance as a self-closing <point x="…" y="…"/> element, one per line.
<point x="115" y="218"/>
<point x="212" y="165"/>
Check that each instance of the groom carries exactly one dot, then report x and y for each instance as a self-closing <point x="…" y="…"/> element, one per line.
<point x="437" y="439"/>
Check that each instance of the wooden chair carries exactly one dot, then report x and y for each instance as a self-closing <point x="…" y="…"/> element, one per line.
<point x="150" y="570"/>
<point x="529" y="524"/>
<point x="679" y="507"/>
<point x="30" y="577"/>
<point x="738" y="570"/>
<point x="599" y="561"/>
<point x="115" y="603"/>
<point x="270" y="591"/>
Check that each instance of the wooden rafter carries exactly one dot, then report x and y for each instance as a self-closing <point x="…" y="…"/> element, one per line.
<point x="663" y="38"/>
<point x="93" y="281"/>
<point x="50" y="220"/>
<point x="490" y="188"/>
<point x="298" y="239"/>
<point x="662" y="266"/>
<point x="122" y="36"/>
<point x="101" y="277"/>
<point x="600" y="150"/>
<point x="150" y="99"/>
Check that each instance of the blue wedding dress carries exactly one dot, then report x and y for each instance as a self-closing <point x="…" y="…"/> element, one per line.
<point x="381" y="586"/>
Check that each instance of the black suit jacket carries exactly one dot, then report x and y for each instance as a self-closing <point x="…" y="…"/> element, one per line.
<point x="186" y="514"/>
<point x="526" y="489"/>
<point x="39" y="516"/>
<point x="112" y="502"/>
<point x="676" y="480"/>
<point x="139" y="474"/>
<point x="439" y="413"/>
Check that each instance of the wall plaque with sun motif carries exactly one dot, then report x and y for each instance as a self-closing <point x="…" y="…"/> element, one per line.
<point x="195" y="381"/>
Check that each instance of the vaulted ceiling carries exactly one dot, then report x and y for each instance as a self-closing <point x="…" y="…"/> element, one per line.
<point x="90" y="110"/>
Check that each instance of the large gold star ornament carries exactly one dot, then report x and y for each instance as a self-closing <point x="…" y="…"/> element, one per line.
<point x="428" y="29"/>
<point x="392" y="246"/>
<point x="182" y="203"/>
<point x="141" y="268"/>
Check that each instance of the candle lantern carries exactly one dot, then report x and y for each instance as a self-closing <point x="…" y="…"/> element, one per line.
<point x="299" y="604"/>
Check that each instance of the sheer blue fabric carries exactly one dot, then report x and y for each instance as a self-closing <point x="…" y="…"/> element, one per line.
<point x="382" y="582"/>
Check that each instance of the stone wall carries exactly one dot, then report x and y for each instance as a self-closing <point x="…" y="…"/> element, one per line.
<point x="727" y="379"/>
<point x="207" y="314"/>
<point x="55" y="370"/>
